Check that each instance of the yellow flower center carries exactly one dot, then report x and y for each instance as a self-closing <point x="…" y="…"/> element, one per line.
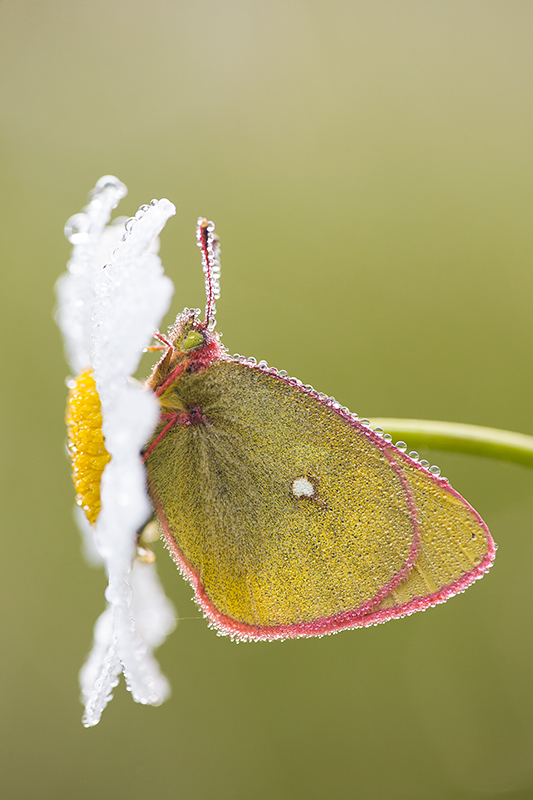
<point x="86" y="443"/>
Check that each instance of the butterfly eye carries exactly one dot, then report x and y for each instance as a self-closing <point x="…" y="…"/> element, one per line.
<point x="191" y="340"/>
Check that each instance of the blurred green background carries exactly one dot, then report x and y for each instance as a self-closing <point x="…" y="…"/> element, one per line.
<point x="369" y="168"/>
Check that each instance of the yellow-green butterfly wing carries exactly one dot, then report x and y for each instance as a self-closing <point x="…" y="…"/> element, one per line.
<point x="288" y="516"/>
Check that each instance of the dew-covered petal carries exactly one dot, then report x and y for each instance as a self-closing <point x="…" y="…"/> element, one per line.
<point x="141" y="671"/>
<point x="137" y="619"/>
<point x="100" y="673"/>
<point x="154" y="614"/>
<point x="125" y="504"/>
<point x="132" y="295"/>
<point x="92" y="243"/>
<point x="125" y="508"/>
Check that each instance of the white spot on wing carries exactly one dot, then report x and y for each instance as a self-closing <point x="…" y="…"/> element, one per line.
<point x="302" y="487"/>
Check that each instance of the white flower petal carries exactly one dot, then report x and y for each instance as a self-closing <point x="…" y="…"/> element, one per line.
<point x="132" y="295"/>
<point x="100" y="673"/>
<point x="153" y="612"/>
<point x="125" y="508"/>
<point x="141" y="671"/>
<point x="75" y="289"/>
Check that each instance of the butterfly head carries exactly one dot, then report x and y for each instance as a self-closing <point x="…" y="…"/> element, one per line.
<point x="191" y="338"/>
<point x="190" y="347"/>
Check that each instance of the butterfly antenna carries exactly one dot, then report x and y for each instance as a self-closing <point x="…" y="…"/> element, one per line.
<point x="208" y="243"/>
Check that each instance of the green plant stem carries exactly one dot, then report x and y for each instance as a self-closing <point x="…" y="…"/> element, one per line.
<point x="491" y="442"/>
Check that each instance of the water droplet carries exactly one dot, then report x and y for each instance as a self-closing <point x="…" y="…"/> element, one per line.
<point x="435" y="470"/>
<point x="363" y="421"/>
<point x="414" y="455"/>
<point x="77" y="229"/>
<point x="424" y="463"/>
<point x="379" y="431"/>
<point x="401" y="446"/>
<point x="109" y="182"/>
<point x="252" y="360"/>
<point x="263" y="365"/>
<point x="283" y="373"/>
<point x="387" y="437"/>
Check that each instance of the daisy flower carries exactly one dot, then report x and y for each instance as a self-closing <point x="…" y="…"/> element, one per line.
<point x="111" y="300"/>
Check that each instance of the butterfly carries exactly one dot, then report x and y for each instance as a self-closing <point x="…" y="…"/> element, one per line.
<point x="288" y="515"/>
